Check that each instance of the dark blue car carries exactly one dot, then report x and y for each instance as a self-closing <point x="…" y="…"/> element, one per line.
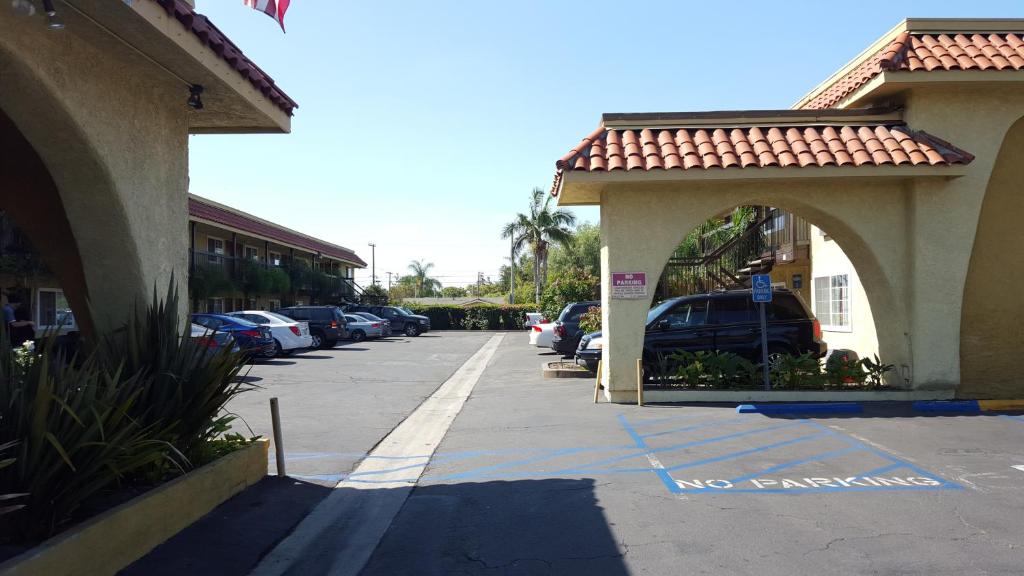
<point x="252" y="339"/>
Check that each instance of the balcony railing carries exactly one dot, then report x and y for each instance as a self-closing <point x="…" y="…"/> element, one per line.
<point x="217" y="274"/>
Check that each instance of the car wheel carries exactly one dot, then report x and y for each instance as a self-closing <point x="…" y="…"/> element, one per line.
<point x="412" y="330"/>
<point x="275" y="352"/>
<point x="775" y="356"/>
<point x="318" y="340"/>
<point x="358" y="336"/>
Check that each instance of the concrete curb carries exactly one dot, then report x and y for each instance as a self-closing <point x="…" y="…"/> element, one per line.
<point x="947" y="406"/>
<point x="802" y="408"/>
<point x="548" y="372"/>
<point x="116" y="538"/>
<point x="1010" y="405"/>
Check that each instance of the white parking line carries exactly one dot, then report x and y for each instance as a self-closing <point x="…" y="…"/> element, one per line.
<point x="1019" y="467"/>
<point x="340" y="534"/>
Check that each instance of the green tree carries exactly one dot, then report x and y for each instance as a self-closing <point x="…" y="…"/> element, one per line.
<point x="374" y="294"/>
<point x="573" y="285"/>
<point x="453" y="292"/>
<point x="583" y="251"/>
<point x="424" y="284"/>
<point x="537" y="230"/>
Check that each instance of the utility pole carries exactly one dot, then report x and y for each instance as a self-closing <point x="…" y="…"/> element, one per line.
<point x="373" y="263"/>
<point x="512" y="271"/>
<point x="389" y="281"/>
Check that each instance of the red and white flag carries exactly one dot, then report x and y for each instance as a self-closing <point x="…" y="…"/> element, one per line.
<point x="273" y="8"/>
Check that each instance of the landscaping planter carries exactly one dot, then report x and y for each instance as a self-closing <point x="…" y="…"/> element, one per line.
<point x="114" y="539"/>
<point x="564" y="369"/>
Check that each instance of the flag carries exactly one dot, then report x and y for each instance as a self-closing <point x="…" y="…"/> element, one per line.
<point x="273" y="8"/>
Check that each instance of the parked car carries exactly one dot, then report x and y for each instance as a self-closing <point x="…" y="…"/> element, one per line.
<point x="326" y="323"/>
<point x="540" y="335"/>
<point x="534" y="318"/>
<point x="726" y="321"/>
<point x="360" y="328"/>
<point x="566" y="333"/>
<point x="253" y="339"/>
<point x="385" y="324"/>
<point x="289" y="335"/>
<point x="213" y="340"/>
<point x="401" y="321"/>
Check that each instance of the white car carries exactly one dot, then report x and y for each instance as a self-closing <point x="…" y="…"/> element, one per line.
<point x="540" y="334"/>
<point x="534" y="318"/>
<point x="289" y="335"/>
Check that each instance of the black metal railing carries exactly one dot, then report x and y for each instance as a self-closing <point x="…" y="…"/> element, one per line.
<point x="718" y="258"/>
<point x="213" y="274"/>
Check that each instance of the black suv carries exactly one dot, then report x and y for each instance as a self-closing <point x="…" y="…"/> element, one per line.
<point x="566" y="334"/>
<point x="401" y="321"/>
<point x="727" y="321"/>
<point x="327" y="324"/>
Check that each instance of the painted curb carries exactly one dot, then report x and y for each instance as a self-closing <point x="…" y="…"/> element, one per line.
<point x="948" y="406"/>
<point x="1009" y="405"/>
<point x="114" y="539"/>
<point x="802" y="408"/>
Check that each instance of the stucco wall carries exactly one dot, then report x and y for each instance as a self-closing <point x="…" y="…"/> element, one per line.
<point x="643" y="222"/>
<point x="112" y="130"/>
<point x="828" y="259"/>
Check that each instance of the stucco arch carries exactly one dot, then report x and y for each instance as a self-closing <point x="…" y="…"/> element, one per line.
<point x="66" y="199"/>
<point x="992" y="315"/>
<point x="642" y="223"/>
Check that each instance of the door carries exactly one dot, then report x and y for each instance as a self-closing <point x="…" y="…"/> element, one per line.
<point x="684" y="327"/>
<point x="737" y="327"/>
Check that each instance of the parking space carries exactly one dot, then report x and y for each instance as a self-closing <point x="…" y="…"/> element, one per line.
<point x="699" y="489"/>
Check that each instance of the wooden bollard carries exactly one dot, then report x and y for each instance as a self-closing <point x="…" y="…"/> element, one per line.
<point x="597" y="382"/>
<point x="639" y="382"/>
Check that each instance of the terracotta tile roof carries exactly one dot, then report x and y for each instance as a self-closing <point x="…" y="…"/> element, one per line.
<point x="794" y="146"/>
<point x="204" y="209"/>
<point x="212" y="37"/>
<point x="926" y="52"/>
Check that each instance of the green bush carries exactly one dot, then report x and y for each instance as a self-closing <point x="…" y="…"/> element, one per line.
<point x="571" y="286"/>
<point x="483" y="317"/>
<point x="143" y="402"/>
<point x="590" y="321"/>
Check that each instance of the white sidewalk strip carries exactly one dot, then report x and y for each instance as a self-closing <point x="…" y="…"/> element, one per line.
<point x="340" y="534"/>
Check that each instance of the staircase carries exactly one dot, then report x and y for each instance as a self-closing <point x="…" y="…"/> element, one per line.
<point x="726" y="266"/>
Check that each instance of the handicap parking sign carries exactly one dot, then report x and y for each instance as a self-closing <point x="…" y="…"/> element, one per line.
<point x="762" y="288"/>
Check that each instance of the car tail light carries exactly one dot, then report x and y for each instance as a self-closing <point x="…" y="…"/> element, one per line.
<point x="334" y="324"/>
<point x="536" y="328"/>
<point x="295" y="330"/>
<point x="560" y="331"/>
<point x="817" y="329"/>
<point x="375" y="325"/>
<point x="251" y="333"/>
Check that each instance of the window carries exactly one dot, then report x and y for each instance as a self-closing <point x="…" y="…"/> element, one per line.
<point x="687" y="314"/>
<point x="275" y="304"/>
<point x="275" y="258"/>
<point x="215" y="248"/>
<point x="785" y="307"/>
<point x="214" y="305"/>
<point x="53" y="311"/>
<point x="832" y="301"/>
<point x="252" y="253"/>
<point x="733" y="311"/>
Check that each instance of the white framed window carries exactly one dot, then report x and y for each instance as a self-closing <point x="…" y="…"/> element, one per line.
<point x="832" y="302"/>
<point x="215" y="248"/>
<point x="214" y="305"/>
<point x="53" y="311"/>
<point x="251" y="252"/>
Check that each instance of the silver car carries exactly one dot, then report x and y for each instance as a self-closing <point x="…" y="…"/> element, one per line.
<point x="360" y="328"/>
<point x="384" y="323"/>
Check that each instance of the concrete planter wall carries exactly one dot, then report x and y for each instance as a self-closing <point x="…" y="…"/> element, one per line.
<point x="667" y="395"/>
<point x="116" y="538"/>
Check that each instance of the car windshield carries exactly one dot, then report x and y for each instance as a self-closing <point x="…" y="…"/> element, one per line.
<point x="407" y="311"/>
<point x="280" y="317"/>
<point x="402" y="312"/>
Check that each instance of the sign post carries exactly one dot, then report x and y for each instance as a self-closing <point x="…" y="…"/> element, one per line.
<point x="762" y="293"/>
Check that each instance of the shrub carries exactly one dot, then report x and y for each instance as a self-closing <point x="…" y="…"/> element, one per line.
<point x="573" y="285"/>
<point x="590" y="321"/>
<point x="496" y="317"/>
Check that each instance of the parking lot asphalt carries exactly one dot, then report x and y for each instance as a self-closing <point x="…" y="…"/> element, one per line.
<point x="532" y="478"/>
<point x="337" y="404"/>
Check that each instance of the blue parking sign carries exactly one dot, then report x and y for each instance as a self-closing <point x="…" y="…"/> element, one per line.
<point x="762" y="288"/>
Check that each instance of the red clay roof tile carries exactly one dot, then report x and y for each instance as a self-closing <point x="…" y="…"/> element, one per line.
<point x="926" y="52"/>
<point x="793" y="146"/>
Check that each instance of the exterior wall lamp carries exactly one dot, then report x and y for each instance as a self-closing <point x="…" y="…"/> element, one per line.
<point x="195" y="100"/>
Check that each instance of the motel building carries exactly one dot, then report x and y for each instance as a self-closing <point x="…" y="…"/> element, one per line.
<point x="887" y="197"/>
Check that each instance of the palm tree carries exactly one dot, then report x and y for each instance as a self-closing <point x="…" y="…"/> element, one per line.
<point x="421" y="278"/>
<point x="537" y="230"/>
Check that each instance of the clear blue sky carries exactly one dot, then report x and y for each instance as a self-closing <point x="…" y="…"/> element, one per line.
<point x="423" y="125"/>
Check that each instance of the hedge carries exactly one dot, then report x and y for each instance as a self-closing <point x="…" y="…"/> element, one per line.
<point x="482" y="317"/>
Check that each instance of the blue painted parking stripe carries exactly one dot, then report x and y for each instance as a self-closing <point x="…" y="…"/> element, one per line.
<point x="663" y="475"/>
<point x="689" y="444"/>
<point x="747" y="452"/>
<point x="792" y="463"/>
<point x="883" y="469"/>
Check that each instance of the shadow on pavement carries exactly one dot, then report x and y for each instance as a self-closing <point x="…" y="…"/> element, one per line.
<point x="275" y="363"/>
<point x="313" y="357"/>
<point x="551" y="526"/>
<point x="234" y="536"/>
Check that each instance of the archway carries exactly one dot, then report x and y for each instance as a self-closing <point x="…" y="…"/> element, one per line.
<point x="992" y="316"/>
